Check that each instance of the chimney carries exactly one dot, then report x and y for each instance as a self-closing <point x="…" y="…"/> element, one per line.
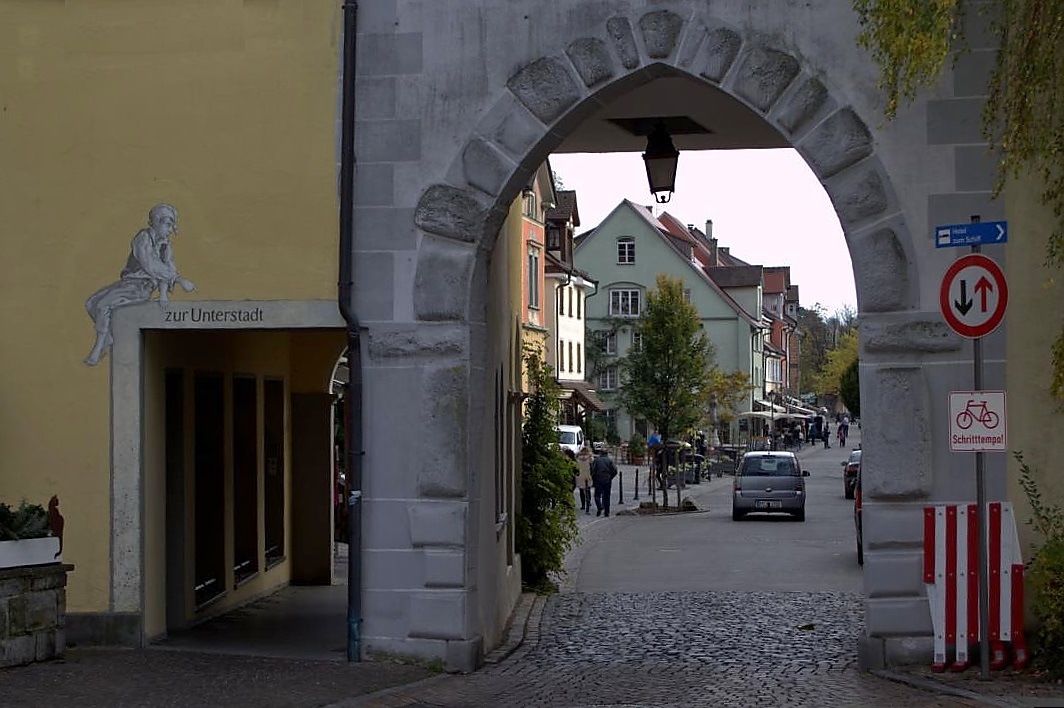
<point x="709" y="228"/>
<point x="713" y="251"/>
<point x="724" y="250"/>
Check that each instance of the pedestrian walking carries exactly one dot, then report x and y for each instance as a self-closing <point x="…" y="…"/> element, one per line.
<point x="827" y="435"/>
<point x="602" y="473"/>
<point x="583" y="480"/>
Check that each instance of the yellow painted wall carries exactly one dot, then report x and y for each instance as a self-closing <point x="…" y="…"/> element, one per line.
<point x="1034" y="322"/>
<point x="225" y="109"/>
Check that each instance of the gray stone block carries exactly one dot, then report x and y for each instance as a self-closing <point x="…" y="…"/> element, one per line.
<point x="376" y="98"/>
<point x="955" y="120"/>
<point x="803" y="105"/>
<point x="721" y="47"/>
<point x="763" y="75"/>
<point x="546" y="88"/>
<point x="957" y="208"/>
<point x="444" y="422"/>
<point x="839" y="142"/>
<point x="976" y="168"/>
<point x="859" y="194"/>
<point x="898" y="616"/>
<point x="385" y="229"/>
<point x="45" y="648"/>
<point x="917" y="334"/>
<point x="390" y="54"/>
<point x="437" y="524"/>
<point x="374" y="185"/>
<point x="451" y="212"/>
<point x="620" y="33"/>
<point x="882" y="269"/>
<point x="661" y="32"/>
<point x="421" y="341"/>
<point x="486" y="168"/>
<point x="908" y="651"/>
<point x="692" y="44"/>
<point x="898" y="456"/>
<point x="441" y="284"/>
<point x="438" y="615"/>
<point x="893" y="526"/>
<point x="4" y="619"/>
<point x="374" y="286"/>
<point x="388" y="141"/>
<point x="444" y="569"/>
<point x="465" y="655"/>
<point x="592" y="60"/>
<point x="378" y="16"/>
<point x="510" y="125"/>
<point x="894" y="573"/>
<point x="18" y="651"/>
<point x="32" y="612"/>
<point x="971" y="73"/>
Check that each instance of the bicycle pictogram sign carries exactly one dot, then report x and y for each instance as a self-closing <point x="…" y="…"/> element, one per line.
<point x="977" y="421"/>
<point x="976" y="411"/>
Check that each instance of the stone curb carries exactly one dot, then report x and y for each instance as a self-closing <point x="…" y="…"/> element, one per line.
<point x="933" y="686"/>
<point x="516" y="629"/>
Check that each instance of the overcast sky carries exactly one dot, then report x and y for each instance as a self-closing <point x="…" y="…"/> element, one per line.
<point x="766" y="206"/>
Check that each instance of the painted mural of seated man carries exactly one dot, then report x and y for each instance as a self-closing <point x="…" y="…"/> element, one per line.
<point x="149" y="267"/>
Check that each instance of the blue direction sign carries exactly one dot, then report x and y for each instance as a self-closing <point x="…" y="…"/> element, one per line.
<point x="981" y="233"/>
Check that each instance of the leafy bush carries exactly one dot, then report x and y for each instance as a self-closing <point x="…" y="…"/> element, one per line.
<point x="637" y="445"/>
<point x="546" y="525"/>
<point x="1045" y="576"/>
<point x="27" y="521"/>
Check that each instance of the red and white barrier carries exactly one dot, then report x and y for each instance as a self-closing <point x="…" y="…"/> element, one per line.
<point x="951" y="562"/>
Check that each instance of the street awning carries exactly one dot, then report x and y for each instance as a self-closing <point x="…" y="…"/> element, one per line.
<point x="770" y="406"/>
<point x="755" y="414"/>
<point x="584" y="394"/>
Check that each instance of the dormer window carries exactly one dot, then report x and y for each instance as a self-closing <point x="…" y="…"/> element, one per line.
<point x="625" y="250"/>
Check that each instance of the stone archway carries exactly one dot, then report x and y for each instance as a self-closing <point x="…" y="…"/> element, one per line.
<point x="522" y="120"/>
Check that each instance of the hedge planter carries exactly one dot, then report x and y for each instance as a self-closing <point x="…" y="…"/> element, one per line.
<point x="30" y="551"/>
<point x="33" y="610"/>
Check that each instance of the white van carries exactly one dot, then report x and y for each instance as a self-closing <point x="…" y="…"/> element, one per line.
<point x="570" y="437"/>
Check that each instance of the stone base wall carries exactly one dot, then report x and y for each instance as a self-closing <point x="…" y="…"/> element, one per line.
<point x="32" y="613"/>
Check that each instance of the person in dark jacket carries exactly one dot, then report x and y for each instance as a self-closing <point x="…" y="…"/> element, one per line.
<point x="602" y="473"/>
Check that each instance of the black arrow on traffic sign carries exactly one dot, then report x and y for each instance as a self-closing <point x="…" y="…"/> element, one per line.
<point x="965" y="304"/>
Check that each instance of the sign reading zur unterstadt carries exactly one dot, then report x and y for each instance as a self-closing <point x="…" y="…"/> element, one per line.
<point x="980" y="233"/>
<point x="977" y="421"/>
<point x="973" y="295"/>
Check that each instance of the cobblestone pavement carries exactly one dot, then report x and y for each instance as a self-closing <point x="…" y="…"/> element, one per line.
<point x="680" y="649"/>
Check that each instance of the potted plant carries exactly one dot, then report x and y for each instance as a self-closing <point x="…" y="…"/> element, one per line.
<point x="637" y="449"/>
<point x="28" y="536"/>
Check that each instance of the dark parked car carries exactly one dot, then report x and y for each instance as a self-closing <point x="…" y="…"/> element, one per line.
<point x="857" y="516"/>
<point x="849" y="473"/>
<point x="769" y="481"/>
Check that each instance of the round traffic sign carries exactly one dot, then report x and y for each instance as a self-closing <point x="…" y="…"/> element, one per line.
<point x="973" y="295"/>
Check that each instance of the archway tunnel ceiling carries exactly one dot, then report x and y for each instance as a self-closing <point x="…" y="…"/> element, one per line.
<point x="728" y="124"/>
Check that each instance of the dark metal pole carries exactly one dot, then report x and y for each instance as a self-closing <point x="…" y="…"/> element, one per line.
<point x="353" y="389"/>
<point x="980" y="515"/>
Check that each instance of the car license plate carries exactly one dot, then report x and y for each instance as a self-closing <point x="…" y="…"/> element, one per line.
<point x="767" y="504"/>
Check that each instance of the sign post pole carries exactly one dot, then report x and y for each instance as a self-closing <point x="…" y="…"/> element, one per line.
<point x="980" y="515"/>
<point x="975" y="322"/>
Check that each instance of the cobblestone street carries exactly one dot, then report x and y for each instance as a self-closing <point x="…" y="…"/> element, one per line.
<point x="680" y="649"/>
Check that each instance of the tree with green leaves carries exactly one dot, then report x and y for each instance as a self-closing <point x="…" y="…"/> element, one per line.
<point x="667" y="381"/>
<point x="546" y="525"/>
<point x="837" y="361"/>
<point x="850" y="387"/>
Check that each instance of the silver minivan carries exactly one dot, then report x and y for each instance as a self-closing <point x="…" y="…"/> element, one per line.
<point x="770" y="482"/>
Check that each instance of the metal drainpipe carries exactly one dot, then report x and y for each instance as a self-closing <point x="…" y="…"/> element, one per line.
<point x="353" y="389"/>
